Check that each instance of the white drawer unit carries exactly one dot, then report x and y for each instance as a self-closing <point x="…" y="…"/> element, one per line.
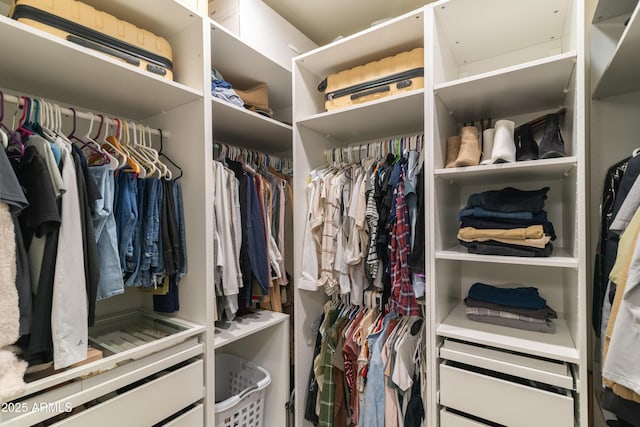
<point x="504" y="388"/>
<point x="167" y="394"/>
<point x="166" y="362"/>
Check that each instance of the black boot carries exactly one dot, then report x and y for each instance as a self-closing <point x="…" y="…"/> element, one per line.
<point x="552" y="144"/>
<point x="526" y="146"/>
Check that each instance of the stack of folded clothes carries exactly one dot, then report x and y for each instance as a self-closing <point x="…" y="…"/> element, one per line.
<point x="521" y="308"/>
<point x="506" y="222"/>
<point x="222" y="89"/>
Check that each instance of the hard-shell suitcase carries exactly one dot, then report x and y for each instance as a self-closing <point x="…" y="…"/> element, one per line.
<point x="378" y="79"/>
<point x="80" y="23"/>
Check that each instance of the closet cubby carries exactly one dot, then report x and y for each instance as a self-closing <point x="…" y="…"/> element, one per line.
<point x="615" y="34"/>
<point x="482" y="38"/>
<point x="244" y="67"/>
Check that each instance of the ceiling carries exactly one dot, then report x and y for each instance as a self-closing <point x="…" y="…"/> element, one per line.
<point x="324" y="20"/>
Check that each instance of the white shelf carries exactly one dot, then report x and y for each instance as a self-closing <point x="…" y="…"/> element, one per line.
<point x="523" y="88"/>
<point x="557" y="346"/>
<point x="244" y="67"/>
<point x="560" y="258"/>
<point x="239" y="126"/>
<point x="531" y="170"/>
<point x="401" y="114"/>
<point x="403" y="33"/>
<point x="610" y="8"/>
<point x="621" y="73"/>
<point x="246" y="326"/>
<point x="85" y="77"/>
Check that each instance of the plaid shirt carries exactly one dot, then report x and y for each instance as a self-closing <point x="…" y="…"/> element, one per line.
<point x="403" y="300"/>
<point x="328" y="394"/>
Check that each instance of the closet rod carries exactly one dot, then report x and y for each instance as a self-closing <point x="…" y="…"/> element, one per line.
<point x="82" y="115"/>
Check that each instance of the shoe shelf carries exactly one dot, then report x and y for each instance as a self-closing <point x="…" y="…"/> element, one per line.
<point x="500" y="173"/>
<point x="561" y="258"/>
<point x="557" y="346"/>
<point x="533" y="86"/>
<point x="239" y="126"/>
<point x="401" y="114"/>
<point x="244" y="67"/>
<point x="96" y="81"/>
<point x="620" y="73"/>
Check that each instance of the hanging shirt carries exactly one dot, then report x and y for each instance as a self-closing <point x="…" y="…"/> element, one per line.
<point x="69" y="326"/>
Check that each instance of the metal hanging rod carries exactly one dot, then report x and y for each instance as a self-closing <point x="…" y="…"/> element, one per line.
<point x="83" y="115"/>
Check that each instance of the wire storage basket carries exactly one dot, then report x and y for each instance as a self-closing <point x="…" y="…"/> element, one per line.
<point x="240" y="392"/>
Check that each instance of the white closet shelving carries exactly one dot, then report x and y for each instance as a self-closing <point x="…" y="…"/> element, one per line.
<point x="316" y="130"/>
<point x="52" y="68"/>
<point x="522" y="63"/>
<point x="615" y="107"/>
<point x="262" y="337"/>
<point x="55" y="69"/>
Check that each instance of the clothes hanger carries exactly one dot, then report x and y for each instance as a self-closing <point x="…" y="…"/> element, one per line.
<point x="161" y="153"/>
<point x="114" y="141"/>
<point x="163" y="170"/>
<point x="146" y="168"/>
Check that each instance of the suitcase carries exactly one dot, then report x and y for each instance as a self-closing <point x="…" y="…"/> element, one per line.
<point x="387" y="77"/>
<point x="82" y="24"/>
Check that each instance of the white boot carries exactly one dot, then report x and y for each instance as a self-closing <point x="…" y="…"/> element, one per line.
<point x="504" y="147"/>
<point x="487" y="145"/>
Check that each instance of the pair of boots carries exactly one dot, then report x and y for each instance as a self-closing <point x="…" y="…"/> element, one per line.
<point x="463" y="149"/>
<point x="551" y="145"/>
<point x="502" y="146"/>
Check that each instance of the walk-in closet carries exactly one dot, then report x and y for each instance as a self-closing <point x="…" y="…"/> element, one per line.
<point x="222" y="233"/>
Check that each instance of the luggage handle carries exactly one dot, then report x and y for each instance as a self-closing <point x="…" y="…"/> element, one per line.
<point x="104" y="49"/>
<point x="374" y="91"/>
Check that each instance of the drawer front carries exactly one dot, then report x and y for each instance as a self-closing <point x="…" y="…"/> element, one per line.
<point x="502" y="401"/>
<point x="449" y="419"/>
<point x="147" y="404"/>
<point x="192" y="418"/>
<point x="548" y="372"/>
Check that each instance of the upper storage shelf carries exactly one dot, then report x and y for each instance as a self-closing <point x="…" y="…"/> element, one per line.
<point x="396" y="115"/>
<point x="85" y="77"/>
<point x="400" y="34"/>
<point x="533" y="86"/>
<point x="620" y="72"/>
<point x="239" y="126"/>
<point x="244" y="67"/>
<point x="473" y="37"/>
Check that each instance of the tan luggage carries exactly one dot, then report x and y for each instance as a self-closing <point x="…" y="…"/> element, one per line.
<point x="387" y="77"/>
<point x="82" y="24"/>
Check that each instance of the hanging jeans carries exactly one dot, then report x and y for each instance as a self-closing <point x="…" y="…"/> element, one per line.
<point x="126" y="214"/>
<point x="372" y="411"/>
<point x="104" y="224"/>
